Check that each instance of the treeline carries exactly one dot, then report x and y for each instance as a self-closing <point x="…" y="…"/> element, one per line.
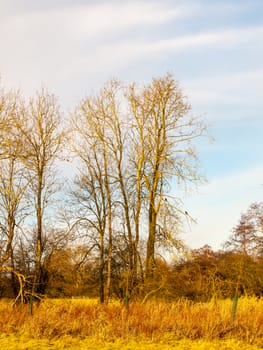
<point x="203" y="276"/>
<point x="104" y="232"/>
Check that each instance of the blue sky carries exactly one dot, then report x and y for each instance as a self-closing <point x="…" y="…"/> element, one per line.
<point x="214" y="48"/>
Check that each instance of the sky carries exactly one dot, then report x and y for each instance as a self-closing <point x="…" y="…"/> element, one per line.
<point x="214" y="48"/>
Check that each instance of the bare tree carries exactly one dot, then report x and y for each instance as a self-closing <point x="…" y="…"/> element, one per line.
<point x="40" y="128"/>
<point x="119" y="145"/>
<point x="165" y="131"/>
<point x="13" y="183"/>
<point x="247" y="235"/>
<point x="90" y="203"/>
<point x="93" y="134"/>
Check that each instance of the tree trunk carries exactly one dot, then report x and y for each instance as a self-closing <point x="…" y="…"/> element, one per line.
<point x="37" y="288"/>
<point x="151" y="242"/>
<point x="101" y="269"/>
<point x="109" y="212"/>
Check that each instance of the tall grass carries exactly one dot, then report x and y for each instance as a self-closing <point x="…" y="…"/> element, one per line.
<point x="153" y="321"/>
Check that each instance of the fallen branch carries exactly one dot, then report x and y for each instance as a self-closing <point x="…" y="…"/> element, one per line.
<point x="21" y="280"/>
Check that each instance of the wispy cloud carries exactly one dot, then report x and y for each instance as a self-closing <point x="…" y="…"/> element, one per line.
<point x="243" y="181"/>
<point x="243" y="88"/>
<point x="97" y="21"/>
<point x="212" y="39"/>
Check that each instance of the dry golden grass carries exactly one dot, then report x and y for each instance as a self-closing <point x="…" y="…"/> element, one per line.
<point x="153" y="322"/>
<point x="24" y="343"/>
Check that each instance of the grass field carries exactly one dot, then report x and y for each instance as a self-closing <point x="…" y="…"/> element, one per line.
<point x="83" y="324"/>
<point x="13" y="342"/>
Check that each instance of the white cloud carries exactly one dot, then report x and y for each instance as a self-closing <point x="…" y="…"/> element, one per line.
<point x="121" y="53"/>
<point x="53" y="45"/>
<point x="213" y="39"/>
<point x="222" y="38"/>
<point x="77" y="43"/>
<point x="90" y="21"/>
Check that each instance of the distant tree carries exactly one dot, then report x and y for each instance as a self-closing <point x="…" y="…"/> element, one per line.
<point x="246" y="242"/>
<point x="247" y="236"/>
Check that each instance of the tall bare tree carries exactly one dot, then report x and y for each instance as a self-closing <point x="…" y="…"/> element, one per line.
<point x="8" y="107"/>
<point x="92" y="147"/>
<point x="166" y="131"/>
<point x="41" y="135"/>
<point x="118" y="143"/>
<point x="13" y="183"/>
